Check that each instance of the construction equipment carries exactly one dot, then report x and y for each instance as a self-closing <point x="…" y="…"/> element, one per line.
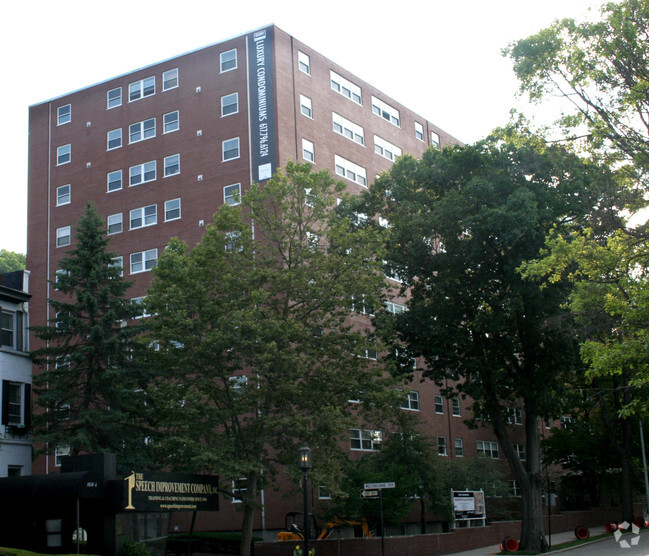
<point x="295" y="532"/>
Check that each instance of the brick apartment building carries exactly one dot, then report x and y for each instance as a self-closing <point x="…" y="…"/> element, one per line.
<point x="159" y="150"/>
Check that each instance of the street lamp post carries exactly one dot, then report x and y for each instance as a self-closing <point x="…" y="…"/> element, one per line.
<point x="305" y="465"/>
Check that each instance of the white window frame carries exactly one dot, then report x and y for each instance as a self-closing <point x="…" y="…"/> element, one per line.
<point x="171" y="122"/>
<point x="64" y="114"/>
<point x="142" y="171"/>
<point x="141" y="89"/>
<point x="232" y="194"/>
<point x="141" y="131"/>
<point x="324" y="493"/>
<point x="18" y="326"/>
<point x="226" y="104"/>
<point x="63" y="154"/>
<point x="114" y="136"/>
<point x="395" y="308"/>
<point x="115" y="221"/>
<point x="63" y="236"/>
<point x="458" y="446"/>
<point x="520" y="451"/>
<point x="60" y="452"/>
<point x="171" y="165"/>
<point x="434" y="140"/>
<point x="308" y="151"/>
<point x="113" y="98"/>
<point x="224" y="150"/>
<point x="419" y="132"/>
<point x="238" y="489"/>
<point x="306" y="106"/>
<point x="63" y="195"/>
<point x="364" y="440"/>
<point x="143" y="261"/>
<point x="304" y="62"/>
<point x="348" y="129"/>
<point x="488" y="448"/>
<point x="351" y="171"/>
<point x="170" y="76"/>
<point x="514" y="416"/>
<point x="169" y="208"/>
<point x="456" y="410"/>
<point x="143" y="217"/>
<point x="114" y="174"/>
<point x="411" y="403"/>
<point x="386" y="149"/>
<point x="118" y="262"/>
<point x="346" y="88"/>
<point x="139" y="301"/>
<point x="385" y="111"/>
<point x="225" y="60"/>
<point x="439" y="404"/>
<point x="442" y="448"/>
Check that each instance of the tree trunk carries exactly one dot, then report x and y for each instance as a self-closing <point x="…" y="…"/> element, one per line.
<point x="249" y="507"/>
<point x="627" y="471"/>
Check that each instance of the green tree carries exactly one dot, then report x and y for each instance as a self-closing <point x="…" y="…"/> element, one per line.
<point x="601" y="69"/>
<point x="87" y="386"/>
<point x="257" y="349"/>
<point x="10" y="261"/>
<point x="461" y="223"/>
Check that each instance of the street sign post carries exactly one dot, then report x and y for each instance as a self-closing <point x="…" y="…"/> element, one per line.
<point x="370" y="489"/>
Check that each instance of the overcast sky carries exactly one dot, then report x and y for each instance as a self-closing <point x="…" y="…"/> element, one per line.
<point x="441" y="59"/>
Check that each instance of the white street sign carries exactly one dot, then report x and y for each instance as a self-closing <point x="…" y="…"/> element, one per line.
<point x="372" y="486"/>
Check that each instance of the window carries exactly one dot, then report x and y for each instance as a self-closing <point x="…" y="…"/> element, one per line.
<point x="386" y="111"/>
<point x="520" y="451"/>
<point x="411" y="402"/>
<point x="139" y="301"/>
<point x="59" y="453"/>
<point x="172" y="165"/>
<point x="143" y="217"/>
<point x="14" y="403"/>
<point x="143" y="261"/>
<point x="115" y="224"/>
<point x="395" y="308"/>
<point x="12" y="329"/>
<point x="514" y="416"/>
<point x="304" y="62"/>
<point x="170" y="79"/>
<point x="117" y="262"/>
<point x="171" y="122"/>
<point x="455" y="405"/>
<point x="141" y="89"/>
<point x="459" y="448"/>
<point x="142" y="173"/>
<point x="238" y="383"/>
<point x="64" y="114"/>
<point x="308" y="152"/>
<point x="370" y="354"/>
<point x="419" y="131"/>
<point x="141" y="130"/>
<point x="346" y="88"/>
<point x="232" y="194"/>
<point x="231" y="149"/>
<point x="114" y="98"/>
<point x="441" y="446"/>
<point x="363" y="439"/>
<point x="566" y="422"/>
<point x="233" y="241"/>
<point x="63" y="195"/>
<point x="114" y="139"/>
<point x="486" y="448"/>
<point x="439" y="404"/>
<point x="434" y="140"/>
<point x="306" y="108"/>
<point x="228" y="60"/>
<point x="63" y="154"/>
<point x="114" y="180"/>
<point x="351" y="171"/>
<point x="63" y="236"/>
<point x="239" y="489"/>
<point x="324" y="493"/>
<point x="362" y="307"/>
<point x="348" y="129"/>
<point x="172" y="209"/>
<point x="230" y="104"/>
<point x="386" y="149"/>
<point x="514" y="488"/>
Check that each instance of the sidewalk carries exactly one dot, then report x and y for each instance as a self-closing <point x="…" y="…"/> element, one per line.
<point x="557" y="538"/>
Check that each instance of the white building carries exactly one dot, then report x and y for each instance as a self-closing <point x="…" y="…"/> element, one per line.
<point x="16" y="376"/>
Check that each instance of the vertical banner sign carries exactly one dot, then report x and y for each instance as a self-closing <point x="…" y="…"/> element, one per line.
<point x="262" y="105"/>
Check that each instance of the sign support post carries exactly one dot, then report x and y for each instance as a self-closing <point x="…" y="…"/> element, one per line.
<point x="380" y="487"/>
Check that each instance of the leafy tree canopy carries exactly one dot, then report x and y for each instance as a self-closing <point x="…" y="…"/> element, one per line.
<point x="10" y="261"/>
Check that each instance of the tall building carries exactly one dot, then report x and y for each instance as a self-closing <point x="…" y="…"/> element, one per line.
<point x="160" y="149"/>
<point x="16" y="375"/>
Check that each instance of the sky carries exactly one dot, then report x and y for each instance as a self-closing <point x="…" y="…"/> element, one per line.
<point x="440" y="58"/>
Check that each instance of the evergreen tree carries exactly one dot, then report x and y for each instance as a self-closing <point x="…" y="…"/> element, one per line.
<point x="87" y="388"/>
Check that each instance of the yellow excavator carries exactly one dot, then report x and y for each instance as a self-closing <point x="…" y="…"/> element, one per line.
<point x="294" y="532"/>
